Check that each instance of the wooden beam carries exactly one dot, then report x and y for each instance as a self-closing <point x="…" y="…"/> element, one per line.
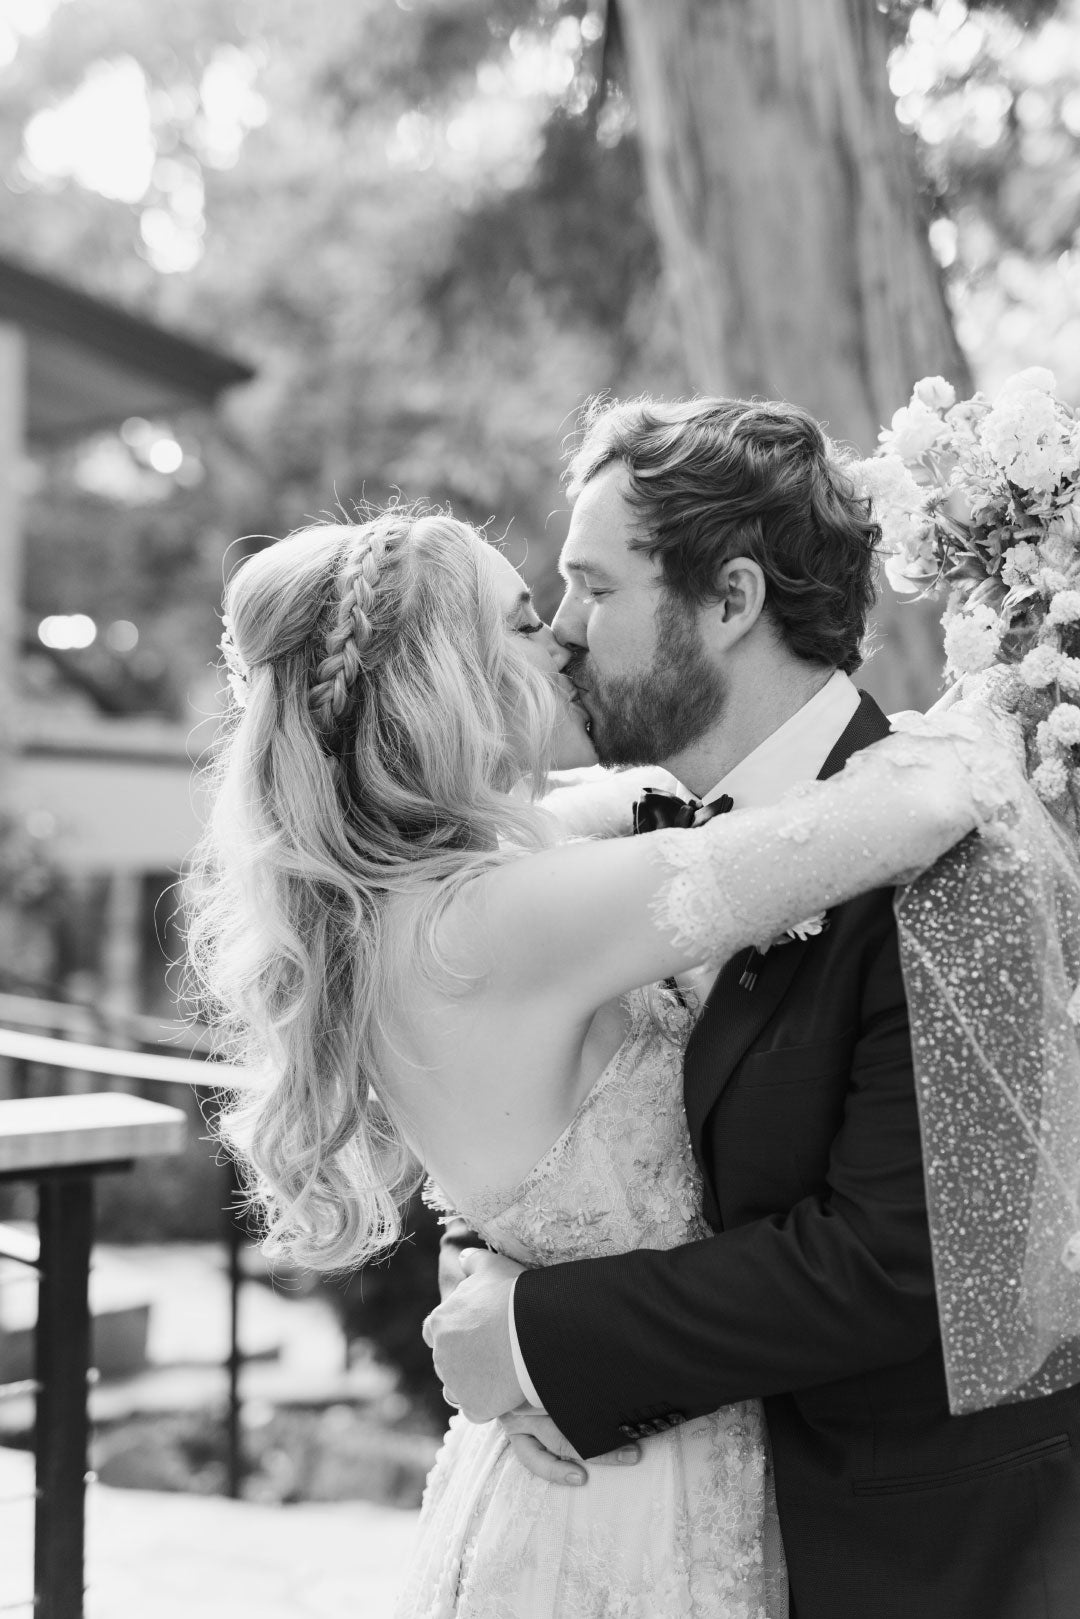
<point x="55" y="1132"/>
<point x="86" y="1059"/>
<point x="93" y="1024"/>
<point x="91" y="362"/>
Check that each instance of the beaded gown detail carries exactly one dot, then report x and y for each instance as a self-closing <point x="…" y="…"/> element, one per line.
<point x="689" y="1531"/>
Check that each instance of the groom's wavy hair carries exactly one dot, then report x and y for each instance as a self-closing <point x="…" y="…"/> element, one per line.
<point x="712" y="479"/>
<point x="385" y="711"/>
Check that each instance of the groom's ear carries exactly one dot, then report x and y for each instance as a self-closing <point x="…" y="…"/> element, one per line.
<point x="740" y="599"/>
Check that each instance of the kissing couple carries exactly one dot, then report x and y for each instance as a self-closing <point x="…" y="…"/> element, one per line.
<point x="671" y="1079"/>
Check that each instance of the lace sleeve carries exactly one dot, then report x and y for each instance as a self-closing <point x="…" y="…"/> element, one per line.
<point x="896" y="808"/>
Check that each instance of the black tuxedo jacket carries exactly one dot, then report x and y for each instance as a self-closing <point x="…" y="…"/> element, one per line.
<point x="816" y="1294"/>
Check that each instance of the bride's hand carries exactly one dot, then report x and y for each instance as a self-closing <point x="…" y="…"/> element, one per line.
<point x="469" y="1338"/>
<point x="543" y="1451"/>
<point x="599" y="803"/>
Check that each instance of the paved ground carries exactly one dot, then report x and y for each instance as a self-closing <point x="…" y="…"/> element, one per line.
<point x="200" y="1557"/>
<point x="158" y="1555"/>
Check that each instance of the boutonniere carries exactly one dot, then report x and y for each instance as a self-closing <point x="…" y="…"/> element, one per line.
<point x="809" y="929"/>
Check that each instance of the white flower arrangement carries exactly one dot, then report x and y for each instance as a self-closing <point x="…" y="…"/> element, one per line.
<point x="979" y="500"/>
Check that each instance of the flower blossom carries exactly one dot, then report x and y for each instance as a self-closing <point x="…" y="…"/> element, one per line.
<point x="907" y="574"/>
<point x="1063" y="725"/>
<point x="236" y="669"/>
<point x="935" y="393"/>
<point x="1065" y="608"/>
<point x="1037" y="378"/>
<point x="1061" y="547"/>
<point x="899" y="505"/>
<point x="1051" y="581"/>
<point x="1039" y="668"/>
<point x="965" y="415"/>
<point x="914" y="430"/>
<point x="972" y="640"/>
<point x="1068" y="677"/>
<point x="1023" y="435"/>
<point x="1021" y="564"/>
<point x="1050" y="780"/>
<point x="957" y="504"/>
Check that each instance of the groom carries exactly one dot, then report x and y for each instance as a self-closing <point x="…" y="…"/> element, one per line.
<point x="718" y="577"/>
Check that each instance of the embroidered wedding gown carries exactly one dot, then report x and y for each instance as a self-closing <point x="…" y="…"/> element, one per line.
<point x="683" y="1532"/>
<point x="691" y="1530"/>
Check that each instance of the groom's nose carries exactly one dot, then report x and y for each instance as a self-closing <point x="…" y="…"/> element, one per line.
<point x="569" y="634"/>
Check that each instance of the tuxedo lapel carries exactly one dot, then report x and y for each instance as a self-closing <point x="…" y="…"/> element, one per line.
<point x="734" y="1016"/>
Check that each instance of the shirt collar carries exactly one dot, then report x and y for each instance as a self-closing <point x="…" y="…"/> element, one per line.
<point x="795" y="751"/>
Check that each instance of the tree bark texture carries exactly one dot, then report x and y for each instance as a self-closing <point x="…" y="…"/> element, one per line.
<point x="793" y="228"/>
<point x="788" y="204"/>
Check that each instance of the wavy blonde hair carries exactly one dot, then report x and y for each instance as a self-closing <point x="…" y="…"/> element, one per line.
<point x="386" y="711"/>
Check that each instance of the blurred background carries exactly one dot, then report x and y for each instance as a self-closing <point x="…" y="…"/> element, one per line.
<point x="260" y="260"/>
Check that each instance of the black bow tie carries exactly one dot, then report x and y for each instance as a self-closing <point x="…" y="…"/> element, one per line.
<point x="655" y="810"/>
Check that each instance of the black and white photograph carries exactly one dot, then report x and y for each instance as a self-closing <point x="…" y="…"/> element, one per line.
<point x="540" y="809"/>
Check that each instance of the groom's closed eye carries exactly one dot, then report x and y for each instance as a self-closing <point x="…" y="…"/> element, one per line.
<point x="588" y="575"/>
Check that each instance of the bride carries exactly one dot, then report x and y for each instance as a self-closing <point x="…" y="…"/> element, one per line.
<point x="425" y="980"/>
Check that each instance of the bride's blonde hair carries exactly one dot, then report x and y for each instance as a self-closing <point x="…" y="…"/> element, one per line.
<point x="383" y="713"/>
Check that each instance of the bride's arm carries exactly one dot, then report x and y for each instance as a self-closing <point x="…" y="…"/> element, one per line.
<point x="592" y="920"/>
<point x="598" y="803"/>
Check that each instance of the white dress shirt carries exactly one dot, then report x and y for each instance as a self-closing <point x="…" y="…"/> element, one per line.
<point x="795" y="752"/>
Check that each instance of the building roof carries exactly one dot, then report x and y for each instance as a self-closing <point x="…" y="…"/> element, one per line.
<point x="92" y="364"/>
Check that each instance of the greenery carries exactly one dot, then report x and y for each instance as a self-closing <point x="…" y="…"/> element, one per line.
<point x="997" y="108"/>
<point x="425" y="225"/>
<point x="422" y="319"/>
<point x="427" y="229"/>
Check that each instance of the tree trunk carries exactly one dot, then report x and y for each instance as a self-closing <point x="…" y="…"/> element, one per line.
<point x="787" y="204"/>
<point x="792" y="227"/>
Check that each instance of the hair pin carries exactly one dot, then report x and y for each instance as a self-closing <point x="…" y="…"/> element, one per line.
<point x="238" y="673"/>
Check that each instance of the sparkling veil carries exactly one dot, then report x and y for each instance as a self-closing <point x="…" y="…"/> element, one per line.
<point x="990" y="946"/>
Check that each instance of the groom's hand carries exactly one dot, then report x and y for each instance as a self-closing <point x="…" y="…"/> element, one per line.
<point x="469" y="1337"/>
<point x="545" y="1452"/>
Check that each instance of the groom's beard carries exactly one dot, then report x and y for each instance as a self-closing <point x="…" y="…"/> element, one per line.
<point x="645" y="717"/>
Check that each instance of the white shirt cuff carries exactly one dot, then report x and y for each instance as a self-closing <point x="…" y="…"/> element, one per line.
<point x="528" y="1388"/>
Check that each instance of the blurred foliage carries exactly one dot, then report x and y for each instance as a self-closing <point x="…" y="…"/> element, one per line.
<point x="996" y="106"/>
<point x="425" y="225"/>
<point x="29" y="885"/>
<point x="28" y="873"/>
<point x="429" y="275"/>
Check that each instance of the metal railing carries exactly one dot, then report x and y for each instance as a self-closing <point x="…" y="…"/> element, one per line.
<point x="62" y="1261"/>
